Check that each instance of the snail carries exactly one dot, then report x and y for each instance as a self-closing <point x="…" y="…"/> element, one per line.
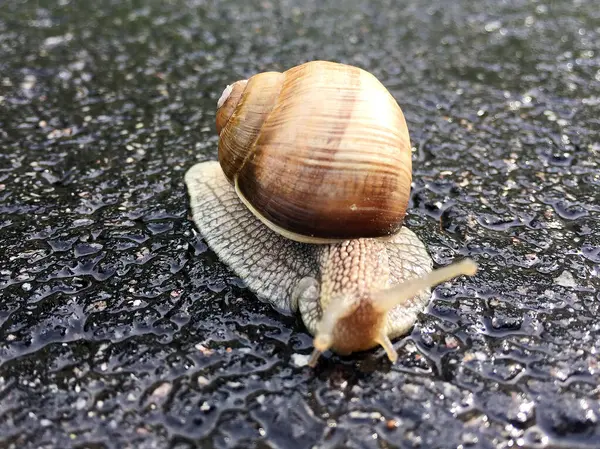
<point x="307" y="200"/>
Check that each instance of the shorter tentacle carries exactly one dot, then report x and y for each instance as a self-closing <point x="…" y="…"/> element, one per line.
<point x="386" y="343"/>
<point x="338" y="308"/>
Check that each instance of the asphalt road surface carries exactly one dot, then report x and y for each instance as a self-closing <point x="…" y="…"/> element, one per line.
<point x="119" y="328"/>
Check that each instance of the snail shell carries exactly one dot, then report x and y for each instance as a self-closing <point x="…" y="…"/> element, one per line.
<point x="319" y="153"/>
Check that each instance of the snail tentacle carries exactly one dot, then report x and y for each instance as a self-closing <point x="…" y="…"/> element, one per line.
<point x="386" y="343"/>
<point x="400" y="294"/>
<point x="338" y="308"/>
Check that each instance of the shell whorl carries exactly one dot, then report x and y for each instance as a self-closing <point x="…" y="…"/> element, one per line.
<point x="228" y="102"/>
<point x="241" y="117"/>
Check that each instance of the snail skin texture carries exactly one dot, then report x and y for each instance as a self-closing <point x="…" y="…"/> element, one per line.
<point x="307" y="200"/>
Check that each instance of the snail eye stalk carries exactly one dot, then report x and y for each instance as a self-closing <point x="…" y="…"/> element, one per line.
<point x="387" y="299"/>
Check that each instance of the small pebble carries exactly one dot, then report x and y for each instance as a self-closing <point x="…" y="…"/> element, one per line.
<point x="300" y="359"/>
<point x="565" y="279"/>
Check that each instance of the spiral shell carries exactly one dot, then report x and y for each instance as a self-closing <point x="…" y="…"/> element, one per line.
<point x="320" y="152"/>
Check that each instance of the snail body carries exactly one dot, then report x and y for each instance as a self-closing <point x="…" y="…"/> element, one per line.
<point x="307" y="201"/>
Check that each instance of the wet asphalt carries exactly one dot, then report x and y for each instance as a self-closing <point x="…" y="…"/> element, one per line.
<point x="119" y="328"/>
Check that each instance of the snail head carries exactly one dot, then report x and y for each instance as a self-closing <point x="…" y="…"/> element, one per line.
<point x="350" y="324"/>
